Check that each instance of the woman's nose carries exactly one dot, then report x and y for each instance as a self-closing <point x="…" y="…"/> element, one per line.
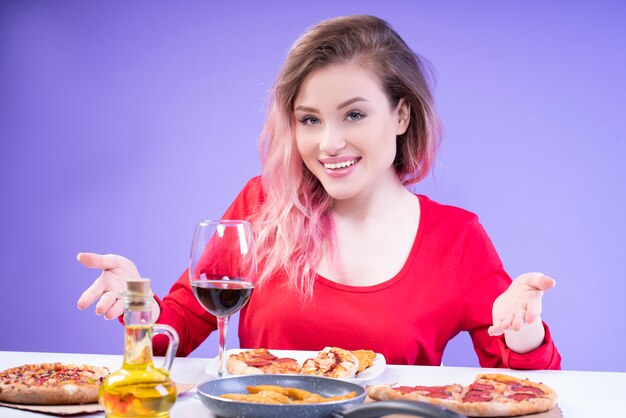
<point x="332" y="140"/>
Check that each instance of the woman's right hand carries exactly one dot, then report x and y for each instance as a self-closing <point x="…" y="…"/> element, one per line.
<point x="116" y="271"/>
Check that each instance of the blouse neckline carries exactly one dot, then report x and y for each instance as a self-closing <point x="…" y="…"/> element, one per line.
<point x="399" y="275"/>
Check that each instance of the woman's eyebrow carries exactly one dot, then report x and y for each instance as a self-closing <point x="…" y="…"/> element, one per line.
<point x="349" y="102"/>
<point x="342" y="105"/>
<point x="306" y="109"/>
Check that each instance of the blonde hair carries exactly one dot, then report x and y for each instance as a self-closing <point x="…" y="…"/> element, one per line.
<point x="294" y="227"/>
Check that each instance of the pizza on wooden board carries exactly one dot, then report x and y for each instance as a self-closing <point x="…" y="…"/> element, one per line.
<point x="51" y="384"/>
<point x="490" y="395"/>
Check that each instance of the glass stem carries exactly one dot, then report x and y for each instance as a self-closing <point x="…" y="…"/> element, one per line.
<point x="222" y="327"/>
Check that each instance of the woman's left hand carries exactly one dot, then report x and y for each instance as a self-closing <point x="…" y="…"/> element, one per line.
<point x="520" y="304"/>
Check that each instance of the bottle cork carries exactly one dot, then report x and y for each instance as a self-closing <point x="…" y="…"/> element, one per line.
<point x="137" y="297"/>
<point x="138" y="286"/>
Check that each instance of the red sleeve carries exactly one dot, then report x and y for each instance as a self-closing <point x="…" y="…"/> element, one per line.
<point x="483" y="280"/>
<point x="546" y="356"/>
<point x="179" y="308"/>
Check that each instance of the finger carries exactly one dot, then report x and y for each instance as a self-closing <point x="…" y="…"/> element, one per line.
<point x="518" y="319"/>
<point x="494" y="331"/>
<point x="499" y="326"/>
<point x="506" y="322"/>
<point x="101" y="261"/>
<point x="533" y="310"/>
<point x="106" y="301"/>
<point x="115" y="310"/>
<point x="92" y="293"/>
<point x="541" y="281"/>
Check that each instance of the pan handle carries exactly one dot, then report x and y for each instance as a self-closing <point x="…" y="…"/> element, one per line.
<point x="383" y="408"/>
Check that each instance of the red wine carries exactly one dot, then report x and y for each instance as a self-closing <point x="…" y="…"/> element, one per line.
<point x="222" y="297"/>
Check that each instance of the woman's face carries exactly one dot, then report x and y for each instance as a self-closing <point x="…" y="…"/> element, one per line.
<point x="346" y="130"/>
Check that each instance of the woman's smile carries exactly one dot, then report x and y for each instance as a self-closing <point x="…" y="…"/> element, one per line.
<point x="340" y="166"/>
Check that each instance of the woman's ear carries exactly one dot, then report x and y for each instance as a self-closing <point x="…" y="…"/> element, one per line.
<point x="403" y="116"/>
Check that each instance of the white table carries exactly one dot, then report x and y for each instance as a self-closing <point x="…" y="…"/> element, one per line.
<point x="581" y="394"/>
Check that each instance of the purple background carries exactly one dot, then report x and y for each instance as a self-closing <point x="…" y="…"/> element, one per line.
<point x="123" y="123"/>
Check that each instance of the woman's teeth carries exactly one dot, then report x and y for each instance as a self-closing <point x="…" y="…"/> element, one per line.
<point x="337" y="166"/>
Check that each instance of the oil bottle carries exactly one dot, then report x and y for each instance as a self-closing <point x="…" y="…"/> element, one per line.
<point x="139" y="389"/>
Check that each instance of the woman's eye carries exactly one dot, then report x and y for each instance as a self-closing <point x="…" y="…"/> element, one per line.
<point x="354" y="116"/>
<point x="309" y="120"/>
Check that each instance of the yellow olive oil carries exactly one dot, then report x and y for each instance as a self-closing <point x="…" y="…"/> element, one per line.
<point x="138" y="389"/>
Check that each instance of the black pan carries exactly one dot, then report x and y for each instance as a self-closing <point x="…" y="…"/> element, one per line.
<point x="211" y="391"/>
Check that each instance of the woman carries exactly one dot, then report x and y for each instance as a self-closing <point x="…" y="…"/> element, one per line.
<point x="347" y="255"/>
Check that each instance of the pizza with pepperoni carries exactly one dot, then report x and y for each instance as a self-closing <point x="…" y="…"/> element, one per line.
<point x="490" y="395"/>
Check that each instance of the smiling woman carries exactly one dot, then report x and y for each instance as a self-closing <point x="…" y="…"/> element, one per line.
<point x="352" y="122"/>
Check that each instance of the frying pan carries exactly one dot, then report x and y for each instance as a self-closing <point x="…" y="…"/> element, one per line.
<point x="211" y="391"/>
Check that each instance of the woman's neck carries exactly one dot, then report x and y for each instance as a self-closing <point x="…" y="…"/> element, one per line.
<point x="385" y="198"/>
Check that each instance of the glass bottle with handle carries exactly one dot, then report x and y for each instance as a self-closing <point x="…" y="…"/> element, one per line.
<point x="139" y="389"/>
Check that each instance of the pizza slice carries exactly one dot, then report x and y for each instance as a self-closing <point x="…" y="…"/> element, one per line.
<point x="332" y="362"/>
<point x="260" y="361"/>
<point x="503" y="395"/>
<point x="447" y="396"/>
<point x="366" y="358"/>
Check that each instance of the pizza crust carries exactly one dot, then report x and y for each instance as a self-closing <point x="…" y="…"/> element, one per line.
<point x="51" y="384"/>
<point x="498" y="409"/>
<point x="69" y="394"/>
<point x="235" y="365"/>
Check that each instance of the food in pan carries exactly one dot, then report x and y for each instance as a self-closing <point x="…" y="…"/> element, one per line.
<point x="330" y="362"/>
<point x="51" y="384"/>
<point x="490" y="395"/>
<point x="272" y="394"/>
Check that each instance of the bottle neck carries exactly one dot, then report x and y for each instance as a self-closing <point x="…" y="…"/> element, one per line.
<point x="138" y="330"/>
<point x="138" y="317"/>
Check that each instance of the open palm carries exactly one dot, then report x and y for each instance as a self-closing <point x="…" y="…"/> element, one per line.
<point x="520" y="304"/>
<point x="116" y="271"/>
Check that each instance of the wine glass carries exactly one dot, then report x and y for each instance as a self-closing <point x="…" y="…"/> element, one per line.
<point x="222" y="270"/>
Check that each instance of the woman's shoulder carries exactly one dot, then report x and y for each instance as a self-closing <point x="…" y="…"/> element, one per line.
<point x="253" y="188"/>
<point x="248" y="201"/>
<point x="254" y="185"/>
<point x="436" y="212"/>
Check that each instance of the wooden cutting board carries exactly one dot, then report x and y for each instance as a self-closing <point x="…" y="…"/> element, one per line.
<point x="76" y="409"/>
<point x="553" y="413"/>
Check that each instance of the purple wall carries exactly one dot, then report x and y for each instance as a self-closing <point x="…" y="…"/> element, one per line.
<point x="123" y="123"/>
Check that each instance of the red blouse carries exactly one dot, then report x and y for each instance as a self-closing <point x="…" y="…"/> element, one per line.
<point x="447" y="285"/>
